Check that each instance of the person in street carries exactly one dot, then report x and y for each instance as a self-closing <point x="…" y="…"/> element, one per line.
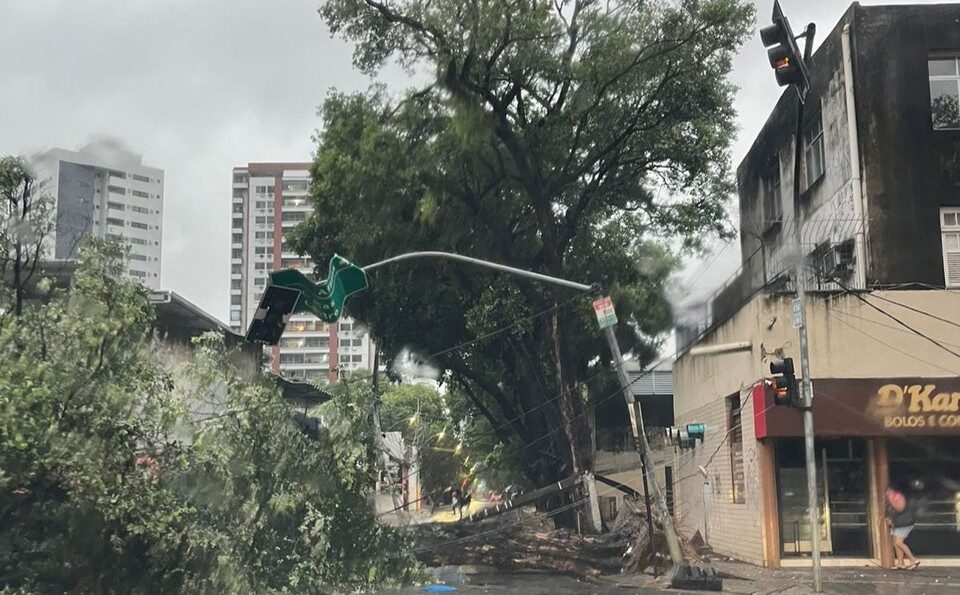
<point x="901" y="517"/>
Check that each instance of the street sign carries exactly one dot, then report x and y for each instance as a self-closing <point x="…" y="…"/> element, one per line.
<point x="325" y="300"/>
<point x="796" y="312"/>
<point x="606" y="316"/>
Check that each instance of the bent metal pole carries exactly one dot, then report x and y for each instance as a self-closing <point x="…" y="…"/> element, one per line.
<point x="643" y="445"/>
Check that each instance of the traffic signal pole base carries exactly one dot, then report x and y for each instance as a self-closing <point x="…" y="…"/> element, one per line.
<point x="695" y="578"/>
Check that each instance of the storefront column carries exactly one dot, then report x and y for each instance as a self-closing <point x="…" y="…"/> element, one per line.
<point x="879" y="476"/>
<point x="770" y="513"/>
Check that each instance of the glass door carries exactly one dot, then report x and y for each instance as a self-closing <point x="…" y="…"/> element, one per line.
<point x="842" y="491"/>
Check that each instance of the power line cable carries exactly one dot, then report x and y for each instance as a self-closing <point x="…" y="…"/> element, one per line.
<point x="917" y="310"/>
<point x="898" y="321"/>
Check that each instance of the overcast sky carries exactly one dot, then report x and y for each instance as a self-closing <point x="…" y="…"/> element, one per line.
<point x="199" y="86"/>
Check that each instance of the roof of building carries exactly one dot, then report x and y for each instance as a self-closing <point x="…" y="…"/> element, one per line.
<point x="180" y="316"/>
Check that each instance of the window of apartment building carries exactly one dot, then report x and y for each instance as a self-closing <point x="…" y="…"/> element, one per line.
<point x="136" y="273"/>
<point x="295" y="201"/>
<point x="950" y="236"/>
<point x="944" y="91"/>
<point x="139" y="241"/>
<point x="735" y="436"/>
<point x="294" y="216"/>
<point x="236" y="269"/>
<point x="772" y="206"/>
<point x="238" y="223"/>
<point x="238" y="208"/>
<point x="236" y="253"/>
<point x="260" y="266"/>
<point x="236" y="284"/>
<point x="234" y="315"/>
<point x="238" y="192"/>
<point x="115" y="221"/>
<point x="295" y="186"/>
<point x="117" y="174"/>
<point x="239" y="178"/>
<point x="291" y="358"/>
<point x="139" y="225"/>
<point x="140" y="178"/>
<point x="346" y="326"/>
<point x="238" y="238"/>
<point x="116" y="205"/>
<point x="358" y="342"/>
<point x="813" y="157"/>
<point x="235" y="300"/>
<point x="137" y="209"/>
<point x="315" y="358"/>
<point x="135" y="256"/>
<point x="260" y="281"/>
<point x="114" y="237"/>
<point x="117" y="189"/>
<point x="264" y="235"/>
<point x="140" y="194"/>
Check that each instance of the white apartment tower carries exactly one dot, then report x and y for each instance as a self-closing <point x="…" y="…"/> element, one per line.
<point x="268" y="200"/>
<point x="105" y="190"/>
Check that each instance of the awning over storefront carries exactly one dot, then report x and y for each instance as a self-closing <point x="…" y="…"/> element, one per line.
<point x="866" y="407"/>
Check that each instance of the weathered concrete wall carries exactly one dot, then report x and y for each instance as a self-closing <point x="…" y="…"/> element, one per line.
<point x="826" y="206"/>
<point x="906" y="163"/>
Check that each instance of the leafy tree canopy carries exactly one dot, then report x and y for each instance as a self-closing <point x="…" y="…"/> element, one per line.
<point x="573" y="137"/>
<point x="110" y="482"/>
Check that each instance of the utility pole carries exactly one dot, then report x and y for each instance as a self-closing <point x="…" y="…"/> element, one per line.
<point x="383" y="454"/>
<point x="643" y="445"/>
<point x="791" y="70"/>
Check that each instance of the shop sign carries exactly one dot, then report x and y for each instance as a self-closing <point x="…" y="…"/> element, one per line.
<point x="867" y="407"/>
<point x="917" y="406"/>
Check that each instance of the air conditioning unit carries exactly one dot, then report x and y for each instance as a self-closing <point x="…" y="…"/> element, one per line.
<point x="837" y="260"/>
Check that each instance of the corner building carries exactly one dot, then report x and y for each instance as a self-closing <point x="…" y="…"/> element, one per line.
<point x="879" y="213"/>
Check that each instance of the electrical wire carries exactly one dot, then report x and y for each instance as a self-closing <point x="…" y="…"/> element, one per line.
<point x="900" y="322"/>
<point x="917" y="310"/>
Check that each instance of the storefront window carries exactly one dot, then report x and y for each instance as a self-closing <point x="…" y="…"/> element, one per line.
<point x="928" y="470"/>
<point x="842" y="487"/>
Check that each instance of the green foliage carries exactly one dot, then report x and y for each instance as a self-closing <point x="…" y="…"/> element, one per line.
<point x="575" y="138"/>
<point x="110" y="481"/>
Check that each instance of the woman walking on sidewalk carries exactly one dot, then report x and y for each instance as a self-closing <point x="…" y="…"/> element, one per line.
<point x="901" y="516"/>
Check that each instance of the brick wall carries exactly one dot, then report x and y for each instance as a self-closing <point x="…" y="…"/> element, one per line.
<point x="707" y="504"/>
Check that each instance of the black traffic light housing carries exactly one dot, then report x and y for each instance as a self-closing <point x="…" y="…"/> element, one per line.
<point x="275" y="308"/>
<point x="786" y="389"/>
<point x="784" y="53"/>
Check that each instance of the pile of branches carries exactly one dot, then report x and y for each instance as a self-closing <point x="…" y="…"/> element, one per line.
<point x="524" y="541"/>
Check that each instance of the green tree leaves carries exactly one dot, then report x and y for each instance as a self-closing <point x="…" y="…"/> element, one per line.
<point x="122" y="473"/>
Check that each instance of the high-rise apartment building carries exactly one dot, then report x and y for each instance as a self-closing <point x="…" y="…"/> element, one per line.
<point x="104" y="190"/>
<point x="268" y="200"/>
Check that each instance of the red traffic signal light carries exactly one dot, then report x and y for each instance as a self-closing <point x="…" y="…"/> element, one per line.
<point x="784" y="54"/>
<point x="786" y="390"/>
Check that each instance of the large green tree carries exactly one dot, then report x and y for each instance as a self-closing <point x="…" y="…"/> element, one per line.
<point x="572" y="137"/>
<point x="111" y="482"/>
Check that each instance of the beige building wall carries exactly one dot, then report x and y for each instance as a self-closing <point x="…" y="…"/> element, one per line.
<point x="848" y="339"/>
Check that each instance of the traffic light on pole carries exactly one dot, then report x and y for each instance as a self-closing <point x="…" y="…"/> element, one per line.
<point x="784" y="54"/>
<point x="291" y="292"/>
<point x="786" y="390"/>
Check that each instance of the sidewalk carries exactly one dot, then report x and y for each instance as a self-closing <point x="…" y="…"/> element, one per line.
<point x="739" y="577"/>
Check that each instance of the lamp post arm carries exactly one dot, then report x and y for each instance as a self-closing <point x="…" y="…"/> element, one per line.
<point x="486" y="264"/>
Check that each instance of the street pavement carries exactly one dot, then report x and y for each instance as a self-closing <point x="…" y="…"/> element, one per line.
<point x="738" y="578"/>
